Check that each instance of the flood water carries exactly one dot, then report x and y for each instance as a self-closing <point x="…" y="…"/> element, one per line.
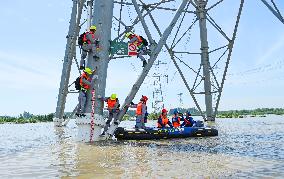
<point x="245" y="148"/>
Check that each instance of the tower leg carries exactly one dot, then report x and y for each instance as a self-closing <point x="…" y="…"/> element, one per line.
<point x="63" y="89"/>
<point x="102" y="19"/>
<point x="205" y="58"/>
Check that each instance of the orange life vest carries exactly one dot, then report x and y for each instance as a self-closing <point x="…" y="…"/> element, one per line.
<point x="139" y="40"/>
<point x="85" y="37"/>
<point x="165" y="121"/>
<point x="111" y="104"/>
<point x="176" y="123"/>
<point x="139" y="108"/>
<point x="82" y="84"/>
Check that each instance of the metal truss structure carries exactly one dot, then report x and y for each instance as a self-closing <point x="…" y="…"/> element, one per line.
<point x="113" y="21"/>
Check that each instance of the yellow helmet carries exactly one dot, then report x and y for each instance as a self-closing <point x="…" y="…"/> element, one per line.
<point x="113" y="96"/>
<point x="88" y="70"/>
<point x="128" y="34"/>
<point x="93" y="27"/>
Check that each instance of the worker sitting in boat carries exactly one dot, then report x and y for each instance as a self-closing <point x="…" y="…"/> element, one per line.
<point x="163" y="120"/>
<point x="188" y="120"/>
<point x="176" y="119"/>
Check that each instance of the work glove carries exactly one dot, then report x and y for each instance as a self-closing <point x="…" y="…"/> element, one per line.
<point x="95" y="77"/>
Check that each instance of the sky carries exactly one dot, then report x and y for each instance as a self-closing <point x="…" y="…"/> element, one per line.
<point x="33" y="36"/>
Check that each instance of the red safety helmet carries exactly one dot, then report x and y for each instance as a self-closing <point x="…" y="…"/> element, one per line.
<point x="144" y="98"/>
<point x="164" y="110"/>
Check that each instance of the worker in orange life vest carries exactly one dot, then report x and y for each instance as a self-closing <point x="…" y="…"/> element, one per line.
<point x="90" y="44"/>
<point x="141" y="46"/>
<point x="141" y="110"/>
<point x="86" y="82"/>
<point x="176" y="119"/>
<point x="113" y="109"/>
<point x="163" y="120"/>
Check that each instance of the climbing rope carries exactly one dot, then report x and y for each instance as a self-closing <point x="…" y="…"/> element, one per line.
<point x="92" y="115"/>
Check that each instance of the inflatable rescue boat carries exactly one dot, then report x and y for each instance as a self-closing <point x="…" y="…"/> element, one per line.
<point x="164" y="133"/>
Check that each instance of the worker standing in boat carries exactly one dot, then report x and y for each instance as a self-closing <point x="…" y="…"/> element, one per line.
<point x="88" y="42"/>
<point x="141" y="44"/>
<point x="176" y="119"/>
<point x="86" y="83"/>
<point x="188" y="120"/>
<point x="163" y="120"/>
<point x="141" y="111"/>
<point x="113" y="109"/>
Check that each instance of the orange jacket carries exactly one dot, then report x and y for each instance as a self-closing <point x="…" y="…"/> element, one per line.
<point x="176" y="121"/>
<point x="139" y="108"/>
<point x="111" y="104"/>
<point x="139" y="40"/>
<point x="85" y="37"/>
<point x="82" y="84"/>
<point x="163" y="121"/>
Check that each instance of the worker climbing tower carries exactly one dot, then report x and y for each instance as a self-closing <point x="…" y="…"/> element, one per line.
<point x="102" y="19"/>
<point x="170" y="37"/>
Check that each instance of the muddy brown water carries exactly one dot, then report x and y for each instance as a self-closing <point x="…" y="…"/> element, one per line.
<point x="245" y="148"/>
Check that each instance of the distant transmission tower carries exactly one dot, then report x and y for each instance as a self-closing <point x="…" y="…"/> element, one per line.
<point x="158" y="98"/>
<point x="180" y="100"/>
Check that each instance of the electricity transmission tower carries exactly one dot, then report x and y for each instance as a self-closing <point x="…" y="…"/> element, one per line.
<point x="158" y="85"/>
<point x="180" y="99"/>
<point x="106" y="13"/>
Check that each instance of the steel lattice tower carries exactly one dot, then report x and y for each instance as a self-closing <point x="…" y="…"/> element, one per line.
<point x="101" y="14"/>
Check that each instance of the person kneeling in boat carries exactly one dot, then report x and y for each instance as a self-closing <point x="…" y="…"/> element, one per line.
<point x="176" y="119"/>
<point x="163" y="120"/>
<point x="188" y="120"/>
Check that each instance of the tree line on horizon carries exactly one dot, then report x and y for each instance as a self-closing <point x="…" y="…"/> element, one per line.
<point x="221" y="114"/>
<point x="27" y="117"/>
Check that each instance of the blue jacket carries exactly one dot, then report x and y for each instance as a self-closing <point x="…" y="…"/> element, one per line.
<point x="188" y="122"/>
